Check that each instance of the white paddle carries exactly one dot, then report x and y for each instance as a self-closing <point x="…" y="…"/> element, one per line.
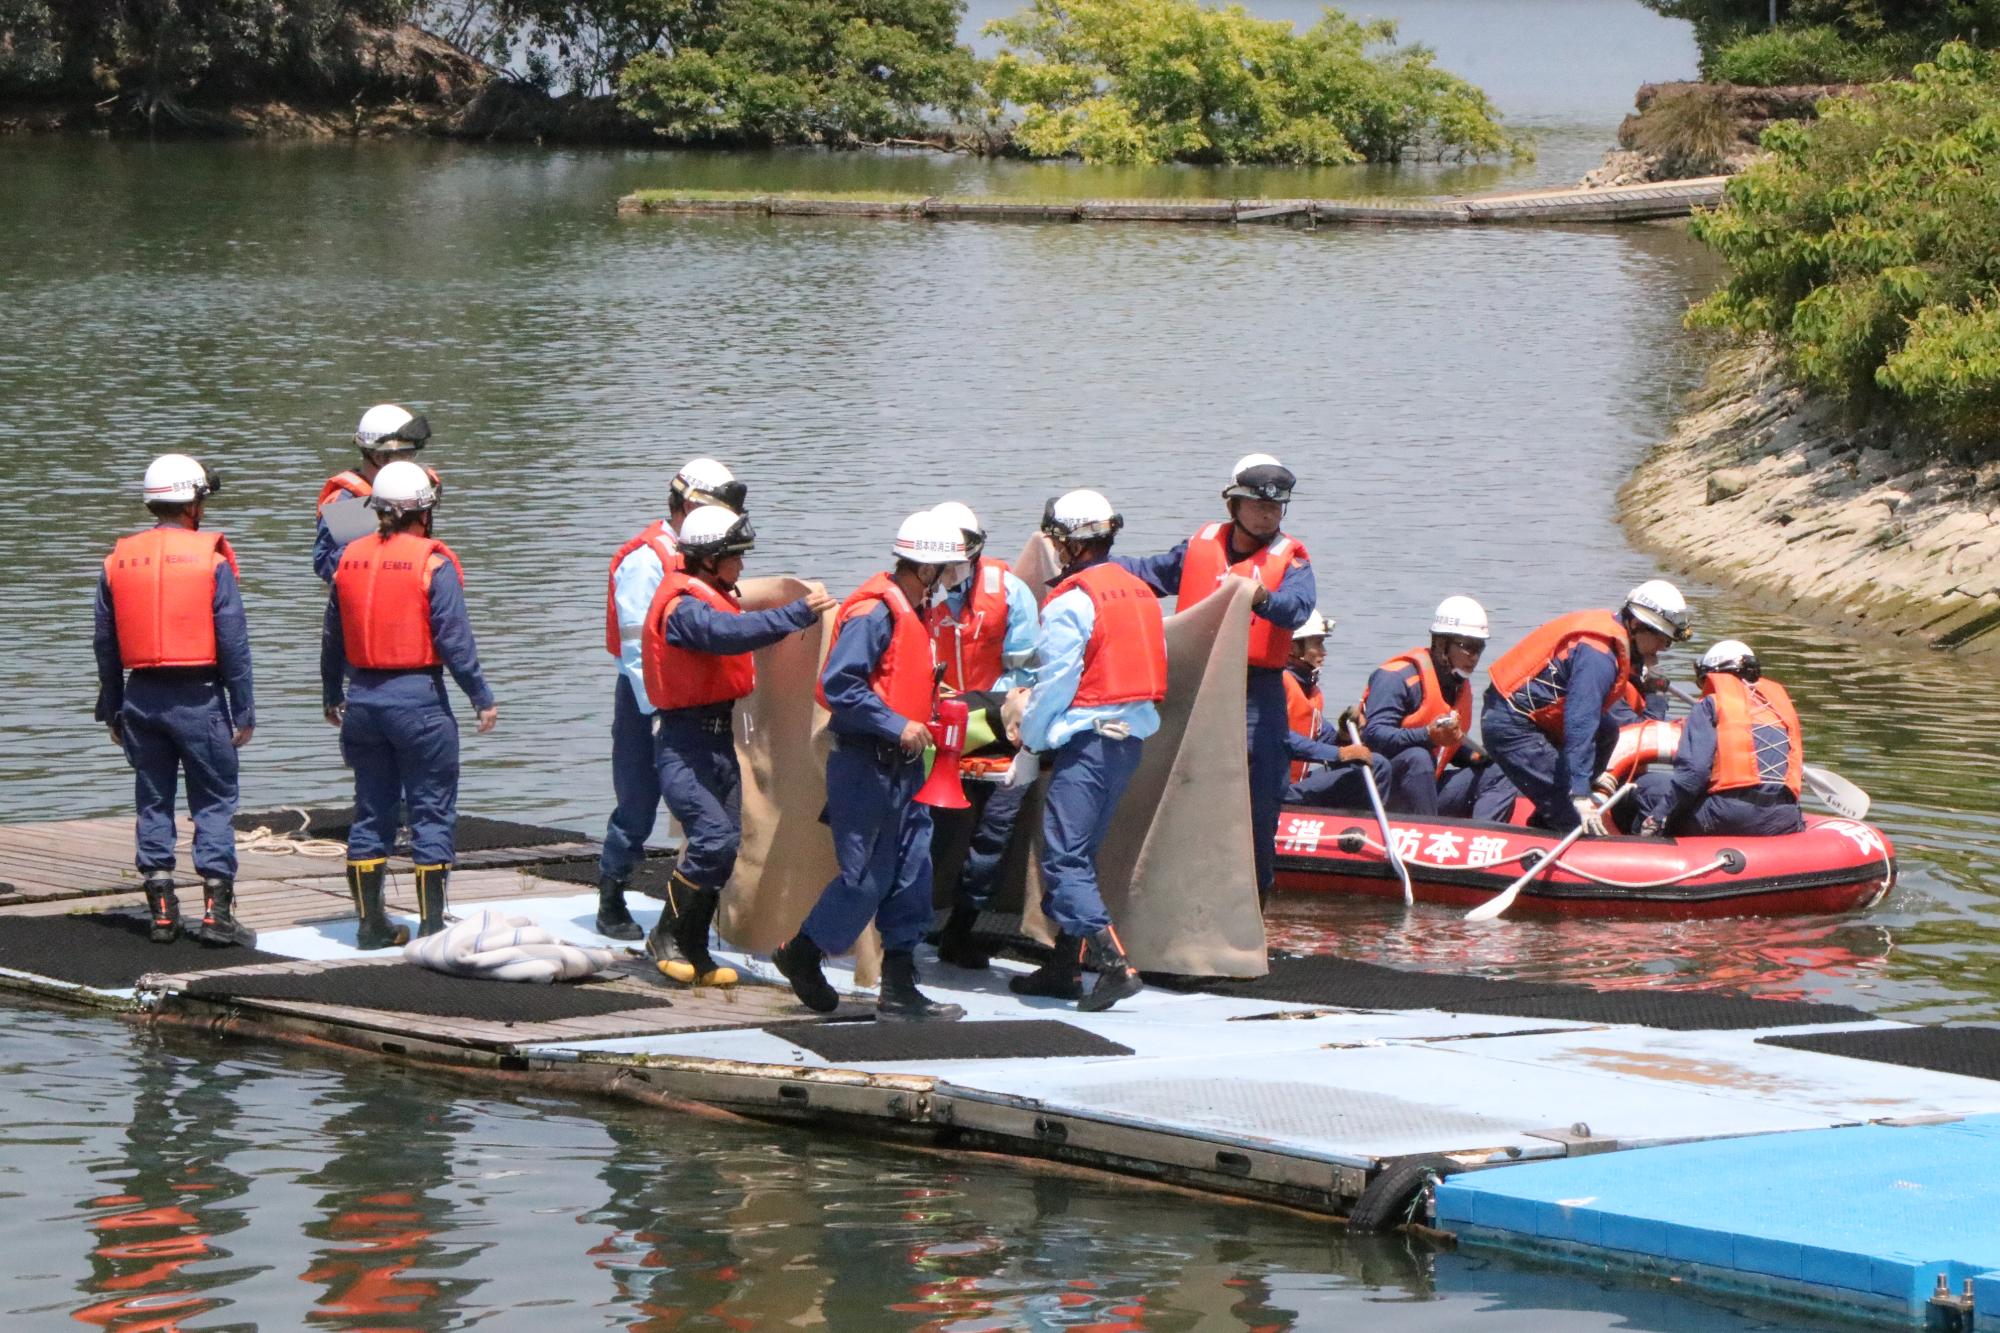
<point x="1382" y="818"/>
<point x="1504" y="899"/>
<point x="1835" y="792"/>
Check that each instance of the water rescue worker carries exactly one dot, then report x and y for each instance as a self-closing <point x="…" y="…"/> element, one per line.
<point x="1326" y="766"/>
<point x="697" y="642"/>
<point x="394" y="624"/>
<point x="1417" y="712"/>
<point x="880" y="686"/>
<point x="1101" y="671"/>
<point x="1251" y="544"/>
<point x="983" y="633"/>
<point x="1546" y="716"/>
<point x="170" y="613"/>
<point x="636" y="571"/>
<point x="386" y="433"/>
<point x="1740" y="765"/>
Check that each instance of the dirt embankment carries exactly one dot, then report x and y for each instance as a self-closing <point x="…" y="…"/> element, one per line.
<point x="1766" y="488"/>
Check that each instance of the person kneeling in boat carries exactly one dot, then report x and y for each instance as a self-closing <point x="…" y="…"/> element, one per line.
<point x="880" y="687"/>
<point x="1546" y="713"/>
<point x="1326" y="770"/>
<point x="696" y="645"/>
<point x="1740" y="764"/>
<point x="1101" y="671"/>
<point x="394" y="624"/>
<point x="983" y="633"/>
<point x="1417" y="710"/>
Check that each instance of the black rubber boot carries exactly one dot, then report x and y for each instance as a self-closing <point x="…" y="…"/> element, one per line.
<point x="613" y="920"/>
<point x="799" y="958"/>
<point x="364" y="882"/>
<point x="218" y="914"/>
<point x="1060" y="978"/>
<point x="679" y="943"/>
<point x="1117" y="979"/>
<point x="431" y="883"/>
<point x="163" y="909"/>
<point x="901" y="1001"/>
<point x="956" y="945"/>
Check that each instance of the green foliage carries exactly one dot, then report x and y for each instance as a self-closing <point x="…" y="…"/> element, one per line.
<point x="1692" y="131"/>
<point x="1868" y="245"/>
<point x="1825" y="41"/>
<point x="804" y="70"/>
<point x="1818" y="53"/>
<point x="1140" y="81"/>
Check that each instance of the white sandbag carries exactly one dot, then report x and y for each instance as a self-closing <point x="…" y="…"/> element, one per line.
<point x="496" y="948"/>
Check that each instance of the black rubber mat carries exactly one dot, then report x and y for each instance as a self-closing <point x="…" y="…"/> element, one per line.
<point x="1972" y="1051"/>
<point x="473" y="834"/>
<point x="1024" y="1039"/>
<point x="108" y="950"/>
<point x="409" y="989"/>
<point x="648" y="877"/>
<point x="1351" y="984"/>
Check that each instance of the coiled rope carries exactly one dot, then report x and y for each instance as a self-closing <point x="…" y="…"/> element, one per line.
<point x="274" y="842"/>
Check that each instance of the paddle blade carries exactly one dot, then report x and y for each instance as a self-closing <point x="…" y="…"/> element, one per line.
<point x="1837" y="793"/>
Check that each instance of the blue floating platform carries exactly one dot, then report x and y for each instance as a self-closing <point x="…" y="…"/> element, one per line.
<point x="1868" y="1217"/>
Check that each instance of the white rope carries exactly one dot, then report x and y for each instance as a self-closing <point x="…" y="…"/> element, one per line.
<point x="1717" y="864"/>
<point x="271" y="842"/>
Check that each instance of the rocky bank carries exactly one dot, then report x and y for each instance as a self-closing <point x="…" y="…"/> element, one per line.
<point x="1766" y="488"/>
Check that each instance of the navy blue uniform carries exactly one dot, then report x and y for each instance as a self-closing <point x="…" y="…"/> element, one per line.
<point x="1681" y="801"/>
<point x="1552" y="776"/>
<point x="179" y="720"/>
<point x="1414" y="786"/>
<point x="1337" y="784"/>
<point x="399" y="734"/>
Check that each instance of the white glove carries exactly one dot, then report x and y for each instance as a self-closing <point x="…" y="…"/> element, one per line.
<point x="1592" y="816"/>
<point x="1027" y="766"/>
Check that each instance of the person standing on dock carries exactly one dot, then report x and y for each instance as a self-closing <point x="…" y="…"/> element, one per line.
<point x="879" y="683"/>
<point x="983" y="633"/>
<point x="386" y="433"/>
<point x="1250" y="544"/>
<point x="1546" y="717"/>
<point x="1101" y="673"/>
<point x="636" y="571"/>
<point x="696" y="647"/>
<point x="1416" y="712"/>
<point x="1741" y="761"/>
<point x="395" y="622"/>
<point x="1326" y="767"/>
<point x="170" y="613"/>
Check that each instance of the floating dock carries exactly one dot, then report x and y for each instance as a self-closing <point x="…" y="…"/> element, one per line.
<point x="1810" y="1153"/>
<point x="1618" y="203"/>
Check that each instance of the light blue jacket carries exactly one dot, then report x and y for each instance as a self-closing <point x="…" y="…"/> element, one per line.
<point x="1067" y="624"/>
<point x="634" y="582"/>
<point x="1017" y="648"/>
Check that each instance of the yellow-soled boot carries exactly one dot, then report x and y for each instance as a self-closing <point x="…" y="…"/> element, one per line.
<point x="364" y="882"/>
<point x="683" y="931"/>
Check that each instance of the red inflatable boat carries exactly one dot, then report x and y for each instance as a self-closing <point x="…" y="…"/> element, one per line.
<point x="1834" y="865"/>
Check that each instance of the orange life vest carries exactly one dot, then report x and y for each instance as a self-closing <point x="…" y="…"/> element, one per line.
<point x="1533" y="661"/>
<point x="681" y="677"/>
<point x="163" y="595"/>
<point x="350" y="482"/>
<point x="979" y="637"/>
<point x="1432" y="704"/>
<point x="1208" y="560"/>
<point x="1741" y="710"/>
<point x="661" y="538"/>
<point x="1306" y="712"/>
<point x="904" y="677"/>
<point x="383" y="585"/>
<point x="1126" y="658"/>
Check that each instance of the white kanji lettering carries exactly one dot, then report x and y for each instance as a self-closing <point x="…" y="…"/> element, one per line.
<point x="1304" y="835"/>
<point x="1406" y="840"/>
<point x="1485" y="851"/>
<point x="1443" y="845"/>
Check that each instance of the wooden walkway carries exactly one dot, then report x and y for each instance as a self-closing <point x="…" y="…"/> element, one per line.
<point x="1622" y="203"/>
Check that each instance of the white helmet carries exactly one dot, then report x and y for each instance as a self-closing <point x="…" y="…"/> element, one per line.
<point x="1460" y="616"/>
<point x="1080" y="516"/>
<point x="1316" y="626"/>
<point x="703" y="481"/>
<point x="401" y="487"/>
<point x="926" y="539"/>
<point x="1658" y="605"/>
<point x="961" y="517"/>
<point x="716" y="530"/>
<point x="386" y="428"/>
<point x="1732" y="656"/>
<point x="1260" y="477"/>
<point x="177" y="479"/>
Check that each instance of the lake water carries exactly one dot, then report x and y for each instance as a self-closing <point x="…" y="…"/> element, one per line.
<point x="1460" y="405"/>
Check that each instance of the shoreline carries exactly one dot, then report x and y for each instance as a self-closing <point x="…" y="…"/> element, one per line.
<point x="1767" y="490"/>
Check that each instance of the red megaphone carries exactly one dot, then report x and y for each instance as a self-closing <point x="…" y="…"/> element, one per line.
<point x="943" y="788"/>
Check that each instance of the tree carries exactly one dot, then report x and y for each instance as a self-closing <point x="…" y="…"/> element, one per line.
<point x="1173" y="80"/>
